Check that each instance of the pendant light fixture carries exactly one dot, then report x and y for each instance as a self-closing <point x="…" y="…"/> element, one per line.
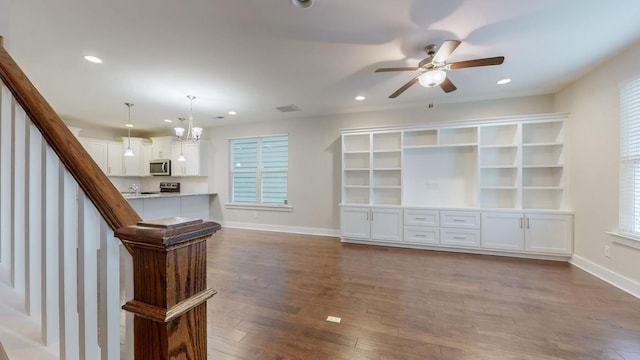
<point x="181" y="157"/>
<point x="128" y="152"/>
<point x="193" y="132"/>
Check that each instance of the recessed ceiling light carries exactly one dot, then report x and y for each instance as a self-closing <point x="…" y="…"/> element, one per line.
<point x="168" y="120"/>
<point x="93" y="59"/>
<point x="232" y="112"/>
<point x="128" y="125"/>
<point x="504" y="81"/>
<point x="360" y="97"/>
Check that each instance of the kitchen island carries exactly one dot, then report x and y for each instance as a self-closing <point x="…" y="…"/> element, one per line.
<point x="167" y="204"/>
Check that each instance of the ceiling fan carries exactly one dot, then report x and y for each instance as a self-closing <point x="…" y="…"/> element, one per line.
<point x="432" y="69"/>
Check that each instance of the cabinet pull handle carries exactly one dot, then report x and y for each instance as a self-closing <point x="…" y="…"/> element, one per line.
<point x="421" y="218"/>
<point x="367" y="216"/>
<point x="421" y="235"/>
<point x="520" y="223"/>
<point x="371" y="215"/>
<point x="527" y="223"/>
<point x="459" y="237"/>
<point x="458" y="220"/>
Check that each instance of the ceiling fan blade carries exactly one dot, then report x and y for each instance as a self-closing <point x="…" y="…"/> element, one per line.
<point x="477" y="62"/>
<point x="404" y="87"/>
<point x="412" y="68"/>
<point x="445" y="50"/>
<point x="447" y="85"/>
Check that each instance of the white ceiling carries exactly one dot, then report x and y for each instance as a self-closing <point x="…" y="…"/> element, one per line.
<point x="252" y="56"/>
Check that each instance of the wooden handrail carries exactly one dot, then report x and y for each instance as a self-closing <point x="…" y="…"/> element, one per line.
<point x="103" y="194"/>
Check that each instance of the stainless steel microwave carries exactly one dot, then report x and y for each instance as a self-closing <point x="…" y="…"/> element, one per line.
<point x="160" y="167"/>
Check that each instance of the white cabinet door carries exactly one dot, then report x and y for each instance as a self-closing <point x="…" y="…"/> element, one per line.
<point x="503" y="231"/>
<point x="98" y="151"/>
<point x="192" y="154"/>
<point x="147" y="153"/>
<point x="193" y="164"/>
<point x="355" y="222"/>
<point x="114" y="158"/>
<point x="386" y="224"/>
<point x="549" y="233"/>
<point x="132" y="165"/>
<point x="161" y="147"/>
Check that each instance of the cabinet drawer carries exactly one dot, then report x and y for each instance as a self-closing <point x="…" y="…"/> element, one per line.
<point x="460" y="237"/>
<point x="421" y="217"/>
<point x="460" y="219"/>
<point x="421" y="235"/>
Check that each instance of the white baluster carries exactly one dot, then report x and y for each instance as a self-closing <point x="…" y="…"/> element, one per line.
<point x="109" y="293"/>
<point x="88" y="236"/>
<point x="69" y="347"/>
<point x="33" y="294"/>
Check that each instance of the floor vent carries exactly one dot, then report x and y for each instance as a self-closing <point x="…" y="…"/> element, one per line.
<point x="288" y="108"/>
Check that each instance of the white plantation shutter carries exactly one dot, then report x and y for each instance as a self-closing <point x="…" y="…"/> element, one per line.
<point x="244" y="170"/>
<point x="630" y="157"/>
<point x="259" y="170"/>
<point x="275" y="164"/>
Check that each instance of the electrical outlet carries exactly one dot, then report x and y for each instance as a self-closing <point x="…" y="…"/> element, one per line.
<point x="607" y="250"/>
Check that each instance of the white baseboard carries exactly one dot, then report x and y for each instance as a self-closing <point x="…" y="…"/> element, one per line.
<point x="621" y="282"/>
<point x="281" y="228"/>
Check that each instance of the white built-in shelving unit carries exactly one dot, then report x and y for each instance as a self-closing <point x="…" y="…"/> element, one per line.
<point x="500" y="167"/>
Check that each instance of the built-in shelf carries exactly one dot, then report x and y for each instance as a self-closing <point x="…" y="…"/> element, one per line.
<point x="498" y="165"/>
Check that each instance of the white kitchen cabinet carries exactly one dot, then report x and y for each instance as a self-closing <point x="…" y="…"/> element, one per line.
<point x="365" y="223"/>
<point x="147" y="156"/>
<point x="98" y="151"/>
<point x="538" y="233"/>
<point x="161" y="147"/>
<point x="133" y="165"/>
<point x="115" y="154"/>
<point x="194" y="155"/>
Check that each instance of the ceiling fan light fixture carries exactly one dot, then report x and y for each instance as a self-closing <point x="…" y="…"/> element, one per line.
<point x="302" y="4"/>
<point x="432" y="78"/>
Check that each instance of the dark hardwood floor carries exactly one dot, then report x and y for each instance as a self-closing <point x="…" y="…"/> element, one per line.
<point x="276" y="290"/>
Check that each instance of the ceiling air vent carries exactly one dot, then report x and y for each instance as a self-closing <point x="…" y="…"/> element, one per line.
<point x="288" y="108"/>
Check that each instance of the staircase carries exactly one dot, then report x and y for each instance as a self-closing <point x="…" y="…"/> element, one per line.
<point x="73" y="251"/>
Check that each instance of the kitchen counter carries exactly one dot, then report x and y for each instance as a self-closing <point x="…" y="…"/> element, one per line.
<point x="131" y="195"/>
<point x="162" y="205"/>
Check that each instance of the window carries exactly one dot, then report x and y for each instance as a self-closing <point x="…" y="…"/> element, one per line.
<point x="259" y="170"/>
<point x="630" y="157"/>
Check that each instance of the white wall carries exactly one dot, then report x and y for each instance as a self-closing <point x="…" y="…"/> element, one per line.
<point x="4" y="22"/>
<point x="314" y="159"/>
<point x="593" y="155"/>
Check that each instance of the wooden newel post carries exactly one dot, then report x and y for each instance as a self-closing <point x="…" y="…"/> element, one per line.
<point x="170" y="287"/>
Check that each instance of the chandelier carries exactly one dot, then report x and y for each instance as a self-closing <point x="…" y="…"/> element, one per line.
<point x="128" y="152"/>
<point x="193" y="132"/>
